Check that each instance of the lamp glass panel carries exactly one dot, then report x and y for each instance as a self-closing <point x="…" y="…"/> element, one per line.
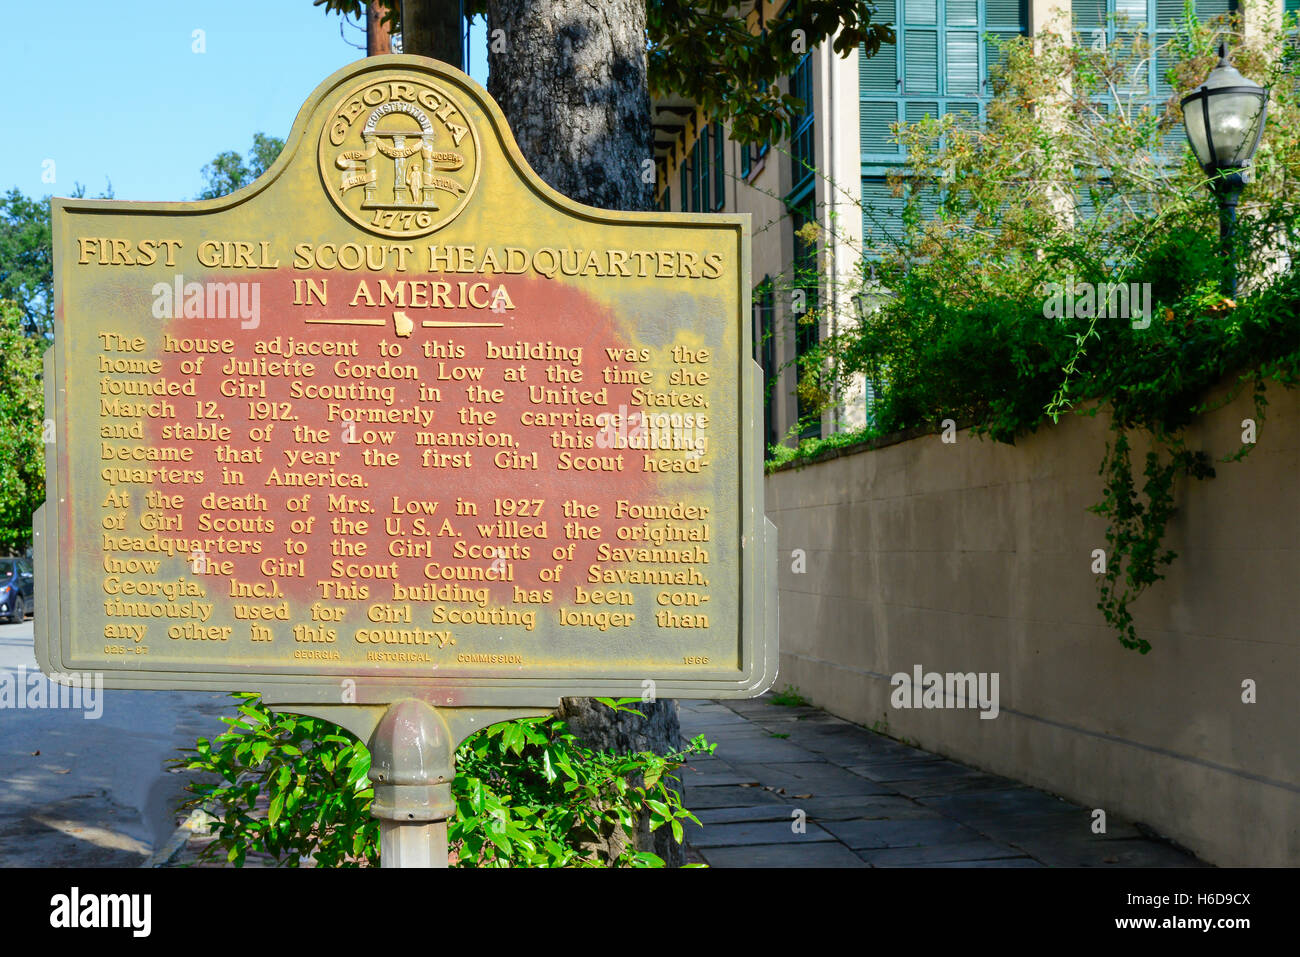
<point x="1194" y="121"/>
<point x="1234" y="126"/>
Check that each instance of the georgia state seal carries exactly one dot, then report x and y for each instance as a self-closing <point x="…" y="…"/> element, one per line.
<point x="399" y="156"/>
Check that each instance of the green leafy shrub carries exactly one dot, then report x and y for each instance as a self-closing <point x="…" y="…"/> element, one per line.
<point x="527" y="793"/>
<point x="22" y="452"/>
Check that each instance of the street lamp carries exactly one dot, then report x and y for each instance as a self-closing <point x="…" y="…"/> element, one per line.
<point x="1224" y="118"/>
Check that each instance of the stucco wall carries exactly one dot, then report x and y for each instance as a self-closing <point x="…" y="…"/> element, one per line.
<point x="975" y="556"/>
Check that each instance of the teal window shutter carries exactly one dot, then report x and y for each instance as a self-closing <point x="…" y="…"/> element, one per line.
<point x="876" y="122"/>
<point x="719" y="167"/>
<point x="684" y="185"/>
<point x="920" y="61"/>
<point x="695" y="179"/>
<point x="916" y="110"/>
<point x="879" y="73"/>
<point x="1003" y="20"/>
<point x="921" y="11"/>
<point x="1169" y="14"/>
<point x="700" y="179"/>
<point x="961" y="13"/>
<point x="702" y="164"/>
<point x="803" y="158"/>
<point x="881" y="214"/>
<point x="1134" y="12"/>
<point x="1089" y="16"/>
<point x="963" y="72"/>
<point x="1007" y="14"/>
<point x="1205" y="9"/>
<point x="941" y="58"/>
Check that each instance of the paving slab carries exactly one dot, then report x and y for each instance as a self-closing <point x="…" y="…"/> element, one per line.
<point x="735" y="815"/>
<point x="916" y="771"/>
<point x="1002" y="862"/>
<point x="746" y="731"/>
<point x="1010" y="802"/>
<point x="859" y="835"/>
<point x="1100" y="852"/>
<point x="824" y="782"/>
<point x="851" y="752"/>
<point x="854" y="808"/>
<point x="1065" y="827"/>
<point x="713" y="778"/>
<point x="973" y="781"/>
<point x="937" y="853"/>
<point x="870" y="800"/>
<point x="755" y="832"/>
<point x="762" y="750"/>
<point x="727" y="796"/>
<point x="821" y="854"/>
<point x="707" y="722"/>
<point x="895" y="769"/>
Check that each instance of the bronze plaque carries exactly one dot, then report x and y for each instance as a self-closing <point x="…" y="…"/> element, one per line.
<point x="400" y="419"/>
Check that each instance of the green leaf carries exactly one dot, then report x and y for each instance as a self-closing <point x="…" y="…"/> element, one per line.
<point x="276" y="808"/>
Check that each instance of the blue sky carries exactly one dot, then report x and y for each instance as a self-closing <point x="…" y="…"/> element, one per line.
<point x="115" y="92"/>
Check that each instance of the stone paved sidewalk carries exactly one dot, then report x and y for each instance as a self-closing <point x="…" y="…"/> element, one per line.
<point x="871" y="801"/>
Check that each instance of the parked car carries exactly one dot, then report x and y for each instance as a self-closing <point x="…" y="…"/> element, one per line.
<point x="17" y="589"/>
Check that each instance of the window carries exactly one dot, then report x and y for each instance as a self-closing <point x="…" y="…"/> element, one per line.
<point x="882" y="214"/>
<point x="750" y="154"/>
<point x="700" y="182"/>
<point x="702" y="178"/>
<point x="719" y="167"/>
<point x="940" y="64"/>
<point x="803" y="158"/>
<point x="1105" y="21"/>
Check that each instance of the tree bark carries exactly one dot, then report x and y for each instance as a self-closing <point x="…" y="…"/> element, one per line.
<point x="432" y="28"/>
<point x="571" y="79"/>
<point x="378" y="39"/>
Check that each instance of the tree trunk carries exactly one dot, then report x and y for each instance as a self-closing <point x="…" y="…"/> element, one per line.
<point x="571" y="79"/>
<point x="432" y="28"/>
<point x="378" y="39"/>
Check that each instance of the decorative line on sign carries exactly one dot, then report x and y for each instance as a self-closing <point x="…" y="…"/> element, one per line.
<point x="436" y="324"/>
<point x="348" y="322"/>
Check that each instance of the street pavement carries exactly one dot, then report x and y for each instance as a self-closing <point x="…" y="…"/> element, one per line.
<point x="797" y="787"/>
<point x="785" y="787"/>
<point x="92" y="792"/>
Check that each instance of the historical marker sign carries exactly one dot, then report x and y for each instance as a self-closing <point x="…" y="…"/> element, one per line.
<point x="400" y="418"/>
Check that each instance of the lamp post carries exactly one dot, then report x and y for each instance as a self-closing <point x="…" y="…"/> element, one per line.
<point x="1224" y="118"/>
